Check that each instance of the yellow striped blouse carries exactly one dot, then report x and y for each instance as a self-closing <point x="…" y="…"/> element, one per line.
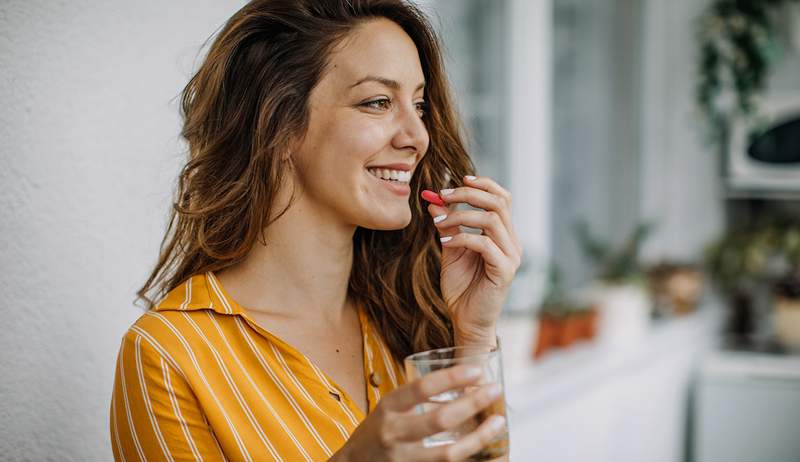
<point x="197" y="379"/>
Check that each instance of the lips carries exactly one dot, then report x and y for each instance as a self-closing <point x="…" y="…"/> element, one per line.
<point x="396" y="187"/>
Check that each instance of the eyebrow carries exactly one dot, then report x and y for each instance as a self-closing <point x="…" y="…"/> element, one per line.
<point x="393" y="84"/>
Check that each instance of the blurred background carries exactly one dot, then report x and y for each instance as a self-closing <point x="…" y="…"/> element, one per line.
<point x="652" y="148"/>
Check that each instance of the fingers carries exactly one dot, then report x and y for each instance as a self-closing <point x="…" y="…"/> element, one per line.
<point x="485" y="193"/>
<point x="418" y="391"/>
<point x="490" y="222"/>
<point x="476" y="198"/>
<point x="487" y="184"/>
<point x="469" y="444"/>
<point x="498" y="263"/>
<point x="448" y="416"/>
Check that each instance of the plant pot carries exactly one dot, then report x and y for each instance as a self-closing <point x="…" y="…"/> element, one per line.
<point x="624" y="312"/>
<point x="548" y="334"/>
<point x="570" y="330"/>
<point x="675" y="289"/>
<point x="588" y="324"/>
<point x="787" y="322"/>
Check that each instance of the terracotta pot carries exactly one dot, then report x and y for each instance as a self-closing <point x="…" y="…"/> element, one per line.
<point x="549" y="328"/>
<point x="570" y="332"/>
<point x="588" y="324"/>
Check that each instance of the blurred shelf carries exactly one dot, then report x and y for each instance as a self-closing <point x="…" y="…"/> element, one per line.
<point x="532" y="386"/>
<point x="740" y="193"/>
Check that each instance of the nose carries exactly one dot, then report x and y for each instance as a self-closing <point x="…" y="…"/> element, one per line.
<point x="411" y="134"/>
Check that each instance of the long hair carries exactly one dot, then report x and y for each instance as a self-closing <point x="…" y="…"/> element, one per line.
<point x="242" y="110"/>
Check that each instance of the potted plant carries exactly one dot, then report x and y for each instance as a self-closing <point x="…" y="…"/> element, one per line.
<point x="674" y="287"/>
<point x="562" y="321"/>
<point x="734" y="263"/>
<point x="745" y="260"/>
<point x="619" y="291"/>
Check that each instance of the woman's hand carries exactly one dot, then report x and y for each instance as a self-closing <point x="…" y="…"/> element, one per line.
<point x="477" y="270"/>
<point x="394" y="432"/>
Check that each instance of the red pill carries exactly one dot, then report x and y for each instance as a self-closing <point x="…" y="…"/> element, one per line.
<point x="432" y="197"/>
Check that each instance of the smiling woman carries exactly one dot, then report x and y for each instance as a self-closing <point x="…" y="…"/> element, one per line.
<point x="299" y="267"/>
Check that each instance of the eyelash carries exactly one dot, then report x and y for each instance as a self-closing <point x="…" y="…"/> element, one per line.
<point x="423" y="105"/>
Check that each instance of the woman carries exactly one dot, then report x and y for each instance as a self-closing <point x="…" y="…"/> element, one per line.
<point x="300" y="265"/>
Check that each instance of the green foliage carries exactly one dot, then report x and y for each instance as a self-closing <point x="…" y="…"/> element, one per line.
<point x="738" y="45"/>
<point x="614" y="265"/>
<point x="557" y="302"/>
<point x="741" y="259"/>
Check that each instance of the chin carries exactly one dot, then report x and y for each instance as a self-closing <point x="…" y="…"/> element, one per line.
<point x="390" y="223"/>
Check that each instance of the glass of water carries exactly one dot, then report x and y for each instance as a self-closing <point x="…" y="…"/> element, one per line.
<point x="487" y="358"/>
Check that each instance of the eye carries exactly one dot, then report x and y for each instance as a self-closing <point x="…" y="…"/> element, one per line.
<point x="377" y="104"/>
<point x="422" y="108"/>
<point x="385" y="103"/>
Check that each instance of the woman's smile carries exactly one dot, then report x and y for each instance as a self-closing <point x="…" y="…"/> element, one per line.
<point x="395" y="181"/>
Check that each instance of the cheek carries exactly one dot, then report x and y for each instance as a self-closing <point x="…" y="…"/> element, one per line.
<point x="363" y="140"/>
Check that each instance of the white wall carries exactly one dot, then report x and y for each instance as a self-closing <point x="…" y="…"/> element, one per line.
<point x="89" y="151"/>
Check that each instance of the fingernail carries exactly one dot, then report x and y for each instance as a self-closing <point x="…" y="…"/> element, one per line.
<point x="445" y="239"/>
<point x="472" y="372"/>
<point x="439" y="218"/>
<point x="497" y="422"/>
<point x="470" y="177"/>
<point x="432" y="197"/>
<point x="494" y="390"/>
<point x="445" y="192"/>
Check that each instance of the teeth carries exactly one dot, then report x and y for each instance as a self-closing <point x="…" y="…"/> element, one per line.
<point x="395" y="175"/>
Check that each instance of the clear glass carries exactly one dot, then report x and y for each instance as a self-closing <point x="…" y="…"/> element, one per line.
<point x="489" y="360"/>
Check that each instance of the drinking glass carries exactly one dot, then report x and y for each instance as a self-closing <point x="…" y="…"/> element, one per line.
<point x="488" y="359"/>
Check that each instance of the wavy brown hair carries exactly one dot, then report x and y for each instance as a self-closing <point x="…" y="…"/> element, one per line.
<point x="242" y="111"/>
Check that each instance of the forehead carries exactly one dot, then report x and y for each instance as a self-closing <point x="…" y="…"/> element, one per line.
<point x="379" y="48"/>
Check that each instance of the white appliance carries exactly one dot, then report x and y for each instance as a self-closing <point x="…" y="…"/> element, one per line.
<point x="747" y="408"/>
<point x="747" y="174"/>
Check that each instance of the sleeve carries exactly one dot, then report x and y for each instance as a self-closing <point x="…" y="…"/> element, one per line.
<point x="154" y="413"/>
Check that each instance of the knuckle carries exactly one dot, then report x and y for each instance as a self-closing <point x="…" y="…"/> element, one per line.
<point x="439" y="421"/>
<point x="386" y="438"/>
<point x="494" y="218"/>
<point x="449" y="454"/>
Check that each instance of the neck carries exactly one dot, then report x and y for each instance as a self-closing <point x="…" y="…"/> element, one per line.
<point x="302" y="272"/>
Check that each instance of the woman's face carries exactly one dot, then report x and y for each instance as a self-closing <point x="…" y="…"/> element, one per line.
<point x="365" y="112"/>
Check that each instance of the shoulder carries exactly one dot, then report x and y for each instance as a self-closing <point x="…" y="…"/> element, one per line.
<point x="171" y="335"/>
